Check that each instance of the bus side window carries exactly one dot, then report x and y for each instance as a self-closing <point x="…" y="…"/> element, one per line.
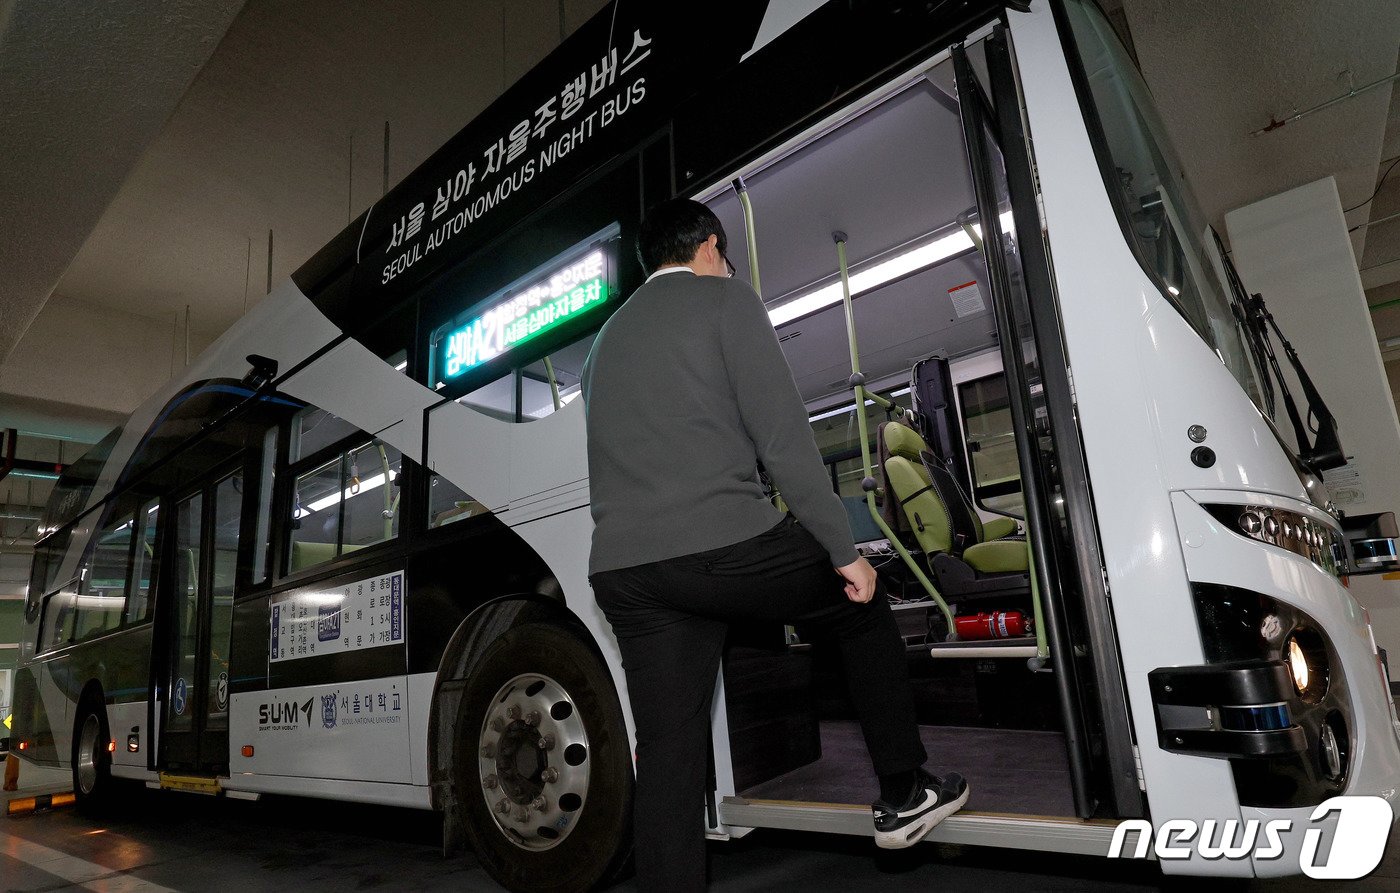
<point x="345" y="504"/>
<point x="996" y="470"/>
<point x="447" y="502"/>
<point x="550" y="384"/>
<point x="372" y="500"/>
<point x="316" y="515"/>
<point x="143" y="563"/>
<point x="262" y="538"/>
<point x="315" y="429"/>
<point x="57" y="628"/>
<point x="102" y="590"/>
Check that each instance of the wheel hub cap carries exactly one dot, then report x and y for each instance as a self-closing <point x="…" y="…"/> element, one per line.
<point x="533" y="759"/>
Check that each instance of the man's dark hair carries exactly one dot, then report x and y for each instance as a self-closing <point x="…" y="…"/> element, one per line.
<point x="673" y="230"/>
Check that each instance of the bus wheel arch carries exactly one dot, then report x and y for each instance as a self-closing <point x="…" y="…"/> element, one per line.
<point x="536" y="648"/>
<point x="91" y="758"/>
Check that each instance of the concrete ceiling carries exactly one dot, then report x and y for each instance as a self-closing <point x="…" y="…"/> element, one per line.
<point x="148" y="183"/>
<point x="284" y="130"/>
<point x="84" y="89"/>
<point x="1222" y="71"/>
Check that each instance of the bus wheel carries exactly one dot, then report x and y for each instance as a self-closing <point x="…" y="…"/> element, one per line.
<point x="92" y="762"/>
<point x="543" y="767"/>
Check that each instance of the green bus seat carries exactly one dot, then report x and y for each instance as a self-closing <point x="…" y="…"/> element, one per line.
<point x="306" y="555"/>
<point x="923" y="501"/>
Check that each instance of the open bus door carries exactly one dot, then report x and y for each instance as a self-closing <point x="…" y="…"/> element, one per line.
<point x="197" y="608"/>
<point x="1060" y="523"/>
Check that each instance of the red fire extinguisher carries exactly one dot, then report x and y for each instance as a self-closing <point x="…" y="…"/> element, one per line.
<point x="994" y="625"/>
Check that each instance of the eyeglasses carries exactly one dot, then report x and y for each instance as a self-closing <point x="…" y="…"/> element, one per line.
<point x="730" y="264"/>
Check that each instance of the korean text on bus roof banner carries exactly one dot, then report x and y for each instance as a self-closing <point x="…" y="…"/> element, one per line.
<point x="585" y="105"/>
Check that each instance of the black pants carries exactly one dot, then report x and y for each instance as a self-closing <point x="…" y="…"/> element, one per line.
<point x="670" y="619"/>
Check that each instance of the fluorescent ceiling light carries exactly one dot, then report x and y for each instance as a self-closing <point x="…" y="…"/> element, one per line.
<point x="877" y="274"/>
<point x="564" y="400"/>
<point x="326" y="502"/>
<point x="402" y="366"/>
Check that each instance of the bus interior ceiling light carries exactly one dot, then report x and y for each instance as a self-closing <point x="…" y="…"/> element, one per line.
<point x="874" y="275"/>
<point x="328" y="501"/>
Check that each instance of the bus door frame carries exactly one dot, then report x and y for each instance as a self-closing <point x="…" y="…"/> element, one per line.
<point x="1103" y="771"/>
<point x="197" y="750"/>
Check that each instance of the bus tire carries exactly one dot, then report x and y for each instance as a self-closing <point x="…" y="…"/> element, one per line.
<point x="542" y="765"/>
<point x="92" y="762"/>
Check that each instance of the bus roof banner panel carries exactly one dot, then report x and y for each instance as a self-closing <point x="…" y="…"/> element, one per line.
<point x="616" y="80"/>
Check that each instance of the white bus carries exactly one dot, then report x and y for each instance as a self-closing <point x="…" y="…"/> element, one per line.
<point x="344" y="554"/>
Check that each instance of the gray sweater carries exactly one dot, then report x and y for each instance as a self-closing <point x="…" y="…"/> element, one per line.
<point x="685" y="390"/>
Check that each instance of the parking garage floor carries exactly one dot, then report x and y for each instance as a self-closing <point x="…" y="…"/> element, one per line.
<point x="168" y="841"/>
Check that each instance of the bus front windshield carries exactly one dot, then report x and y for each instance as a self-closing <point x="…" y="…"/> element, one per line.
<point x="1160" y="216"/>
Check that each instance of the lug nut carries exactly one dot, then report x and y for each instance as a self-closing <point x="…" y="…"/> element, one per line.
<point x="532" y="718"/>
<point x="550" y="775"/>
<point x="513" y="711"/>
<point x="537" y="803"/>
<point x="489" y="751"/>
<point x="498" y="724"/>
<point x="503" y="807"/>
<point x="546" y="742"/>
<point x="490" y="782"/>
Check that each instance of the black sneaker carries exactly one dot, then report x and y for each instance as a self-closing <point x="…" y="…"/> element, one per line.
<point x="933" y="800"/>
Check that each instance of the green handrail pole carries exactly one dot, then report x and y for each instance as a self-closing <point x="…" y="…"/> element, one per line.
<point x="968" y="221"/>
<point x="1042" y="647"/>
<point x="553" y="383"/>
<point x="750" y="237"/>
<point x="868" y="484"/>
<point x="389" y="506"/>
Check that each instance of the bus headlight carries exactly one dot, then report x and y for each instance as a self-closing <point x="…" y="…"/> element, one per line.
<point x="1298" y="663"/>
<point x="1307" y="663"/>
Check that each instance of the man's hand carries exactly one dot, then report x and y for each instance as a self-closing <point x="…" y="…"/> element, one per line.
<point x="860" y="580"/>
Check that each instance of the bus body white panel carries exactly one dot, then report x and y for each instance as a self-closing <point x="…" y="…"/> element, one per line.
<point x="353" y="383"/>
<point x="342" y="730"/>
<point x="549" y="465"/>
<point x="420" y="709"/>
<point x="1215" y="554"/>
<point x="125" y="720"/>
<point x="472" y="451"/>
<point x="1119" y="363"/>
<point x="57" y="705"/>
<point x="411" y="796"/>
<point x="563" y="542"/>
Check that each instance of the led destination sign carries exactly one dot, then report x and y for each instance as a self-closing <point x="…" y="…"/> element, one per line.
<point x="546" y="304"/>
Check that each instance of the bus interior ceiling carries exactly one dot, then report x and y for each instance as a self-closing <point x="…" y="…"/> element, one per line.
<point x="892" y="179"/>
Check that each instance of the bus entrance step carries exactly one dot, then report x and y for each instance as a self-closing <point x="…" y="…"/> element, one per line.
<point x="190" y="784"/>
<point x="1024" y="646"/>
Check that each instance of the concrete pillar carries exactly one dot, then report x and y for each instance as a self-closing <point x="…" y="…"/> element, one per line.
<point x="1293" y="249"/>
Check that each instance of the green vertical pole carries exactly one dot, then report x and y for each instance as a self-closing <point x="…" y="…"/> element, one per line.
<point x="868" y="484"/>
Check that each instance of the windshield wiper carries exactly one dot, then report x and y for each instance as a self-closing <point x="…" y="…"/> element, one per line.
<point x="1239" y="303"/>
<point x="1321" y="451"/>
